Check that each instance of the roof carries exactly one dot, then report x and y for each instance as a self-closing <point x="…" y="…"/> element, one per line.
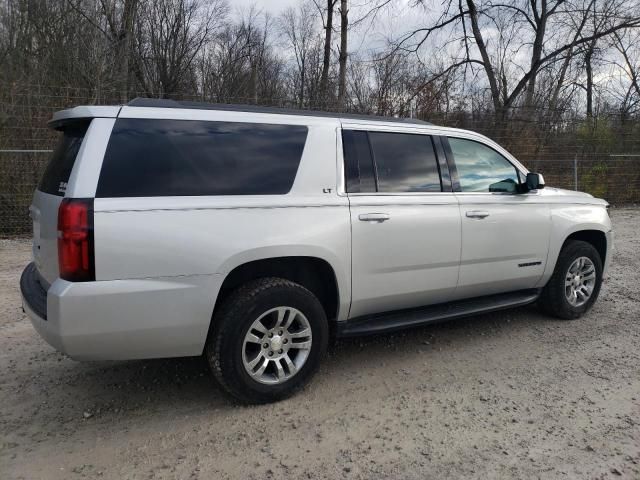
<point x="164" y="103"/>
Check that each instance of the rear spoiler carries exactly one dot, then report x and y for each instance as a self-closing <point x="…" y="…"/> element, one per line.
<point x="70" y="115"/>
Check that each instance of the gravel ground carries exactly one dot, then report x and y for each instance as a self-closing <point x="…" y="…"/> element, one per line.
<point x="511" y="394"/>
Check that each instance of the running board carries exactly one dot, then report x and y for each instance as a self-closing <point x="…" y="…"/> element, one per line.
<point x="389" y="321"/>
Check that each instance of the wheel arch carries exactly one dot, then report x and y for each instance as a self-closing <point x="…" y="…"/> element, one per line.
<point x="597" y="238"/>
<point x="594" y="234"/>
<point x="314" y="273"/>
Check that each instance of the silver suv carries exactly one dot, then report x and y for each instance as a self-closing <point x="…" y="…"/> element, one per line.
<point x="252" y="235"/>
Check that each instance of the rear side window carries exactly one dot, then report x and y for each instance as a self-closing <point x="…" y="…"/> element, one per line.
<point x="151" y="158"/>
<point x="358" y="162"/>
<point x="405" y="162"/>
<point x="56" y="175"/>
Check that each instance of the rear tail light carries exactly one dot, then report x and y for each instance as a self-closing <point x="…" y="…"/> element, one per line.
<point x="75" y="240"/>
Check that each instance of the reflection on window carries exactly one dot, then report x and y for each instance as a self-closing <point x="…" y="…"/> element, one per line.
<point x="405" y="162"/>
<point x="482" y="169"/>
<point x="55" y="178"/>
<point x="358" y="163"/>
<point x="150" y="158"/>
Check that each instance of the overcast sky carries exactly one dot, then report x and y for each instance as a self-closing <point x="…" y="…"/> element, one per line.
<point x="398" y="18"/>
<point x="395" y="20"/>
<point x="272" y="6"/>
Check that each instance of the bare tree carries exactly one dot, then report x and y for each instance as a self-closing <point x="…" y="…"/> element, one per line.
<point x="298" y="27"/>
<point x="169" y="36"/>
<point x="116" y="24"/>
<point x="327" y="25"/>
<point x="342" y="72"/>
<point x="627" y="44"/>
<point x="498" y="55"/>
<point x="240" y="66"/>
<point x="120" y="18"/>
<point x="535" y="16"/>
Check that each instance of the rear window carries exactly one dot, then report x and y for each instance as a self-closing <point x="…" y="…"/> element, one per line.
<point x="151" y="158"/>
<point x="56" y="175"/>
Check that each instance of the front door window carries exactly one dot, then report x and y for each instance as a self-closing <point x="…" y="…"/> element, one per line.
<point x="481" y="168"/>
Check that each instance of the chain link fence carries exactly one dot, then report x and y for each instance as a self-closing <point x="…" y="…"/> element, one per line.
<point x="600" y="155"/>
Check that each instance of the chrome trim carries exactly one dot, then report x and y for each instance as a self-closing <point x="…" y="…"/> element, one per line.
<point x="374" y="217"/>
<point x="270" y="207"/>
<point x="477" y="214"/>
<point x="399" y="194"/>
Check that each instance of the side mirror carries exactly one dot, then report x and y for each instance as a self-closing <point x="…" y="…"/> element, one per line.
<point x="535" y="181"/>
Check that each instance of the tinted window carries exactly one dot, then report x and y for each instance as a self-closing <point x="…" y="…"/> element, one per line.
<point x="149" y="158"/>
<point x="405" y="162"/>
<point x="56" y="175"/>
<point x="481" y="168"/>
<point x="358" y="162"/>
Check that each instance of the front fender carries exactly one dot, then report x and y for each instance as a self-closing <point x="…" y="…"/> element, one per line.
<point x="569" y="219"/>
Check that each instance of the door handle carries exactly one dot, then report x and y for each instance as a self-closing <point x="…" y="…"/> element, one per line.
<point x="477" y="214"/>
<point x="374" y="217"/>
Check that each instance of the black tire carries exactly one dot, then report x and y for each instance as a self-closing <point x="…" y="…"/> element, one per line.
<point x="234" y="318"/>
<point x="553" y="299"/>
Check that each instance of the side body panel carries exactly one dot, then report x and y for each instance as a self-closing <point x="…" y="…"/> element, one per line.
<point x="570" y="215"/>
<point x="412" y="258"/>
<point x="409" y="260"/>
<point x="128" y="319"/>
<point x="507" y="249"/>
<point x="197" y="241"/>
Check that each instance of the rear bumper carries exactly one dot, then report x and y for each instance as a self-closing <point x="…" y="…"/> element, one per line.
<point x="34" y="304"/>
<point x="34" y="295"/>
<point x="123" y="319"/>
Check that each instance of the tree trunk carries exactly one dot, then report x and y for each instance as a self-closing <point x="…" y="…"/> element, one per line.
<point x="553" y="103"/>
<point x="342" y="73"/>
<point x="302" y="79"/>
<point x="253" y="81"/>
<point x="486" y="60"/>
<point x="324" y="80"/>
<point x="536" y="53"/>
<point x="123" y="48"/>
<point x="589" y="71"/>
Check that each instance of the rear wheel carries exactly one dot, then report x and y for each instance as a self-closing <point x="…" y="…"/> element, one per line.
<point x="268" y="339"/>
<point x="575" y="283"/>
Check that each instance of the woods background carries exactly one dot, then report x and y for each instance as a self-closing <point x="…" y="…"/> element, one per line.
<point x="557" y="82"/>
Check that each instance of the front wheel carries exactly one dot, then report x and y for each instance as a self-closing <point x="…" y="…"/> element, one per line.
<point x="267" y="341"/>
<point x="575" y="284"/>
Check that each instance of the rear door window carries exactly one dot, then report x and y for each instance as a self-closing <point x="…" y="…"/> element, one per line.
<point x="56" y="175"/>
<point x="150" y="158"/>
<point x="405" y="162"/>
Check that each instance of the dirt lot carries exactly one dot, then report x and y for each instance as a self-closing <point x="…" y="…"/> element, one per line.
<point x="513" y="394"/>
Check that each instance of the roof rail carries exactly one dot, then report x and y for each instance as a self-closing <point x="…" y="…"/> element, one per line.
<point x="166" y="103"/>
